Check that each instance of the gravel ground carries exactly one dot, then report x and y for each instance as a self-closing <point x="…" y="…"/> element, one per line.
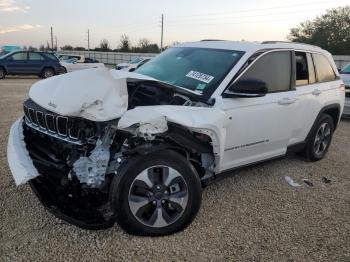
<point x="251" y="216"/>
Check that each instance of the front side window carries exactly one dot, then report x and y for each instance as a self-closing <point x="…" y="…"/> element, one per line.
<point x="18" y="56"/>
<point x="324" y="69"/>
<point x="196" y="69"/>
<point x="35" y="57"/>
<point x="135" y="60"/>
<point x="274" y="69"/>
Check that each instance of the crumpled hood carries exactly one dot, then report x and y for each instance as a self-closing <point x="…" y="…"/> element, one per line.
<point x="97" y="94"/>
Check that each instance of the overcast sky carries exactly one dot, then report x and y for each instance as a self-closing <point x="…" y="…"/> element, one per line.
<point x="27" y="22"/>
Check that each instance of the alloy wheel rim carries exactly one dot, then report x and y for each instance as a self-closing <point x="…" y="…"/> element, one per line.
<point x="48" y="73"/>
<point x="322" y="139"/>
<point x="158" y="196"/>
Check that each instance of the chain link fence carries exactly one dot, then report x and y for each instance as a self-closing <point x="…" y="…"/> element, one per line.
<point x="109" y="58"/>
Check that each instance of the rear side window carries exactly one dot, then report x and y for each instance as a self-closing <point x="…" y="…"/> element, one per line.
<point x="274" y="69"/>
<point x="51" y="56"/>
<point x="311" y="67"/>
<point x="324" y="69"/>
<point x="35" y="57"/>
<point x="304" y="69"/>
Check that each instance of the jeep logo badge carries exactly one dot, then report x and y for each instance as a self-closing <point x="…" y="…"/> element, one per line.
<point x="52" y="105"/>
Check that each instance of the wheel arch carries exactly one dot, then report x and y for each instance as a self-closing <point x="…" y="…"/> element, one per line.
<point x="332" y="110"/>
<point x="5" y="69"/>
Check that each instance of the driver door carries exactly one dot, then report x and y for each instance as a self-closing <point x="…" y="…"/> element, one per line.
<point x="261" y="128"/>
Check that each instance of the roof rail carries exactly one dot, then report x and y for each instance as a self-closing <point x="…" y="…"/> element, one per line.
<point x="287" y="42"/>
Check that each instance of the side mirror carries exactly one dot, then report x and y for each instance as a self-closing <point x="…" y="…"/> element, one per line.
<point x="249" y="87"/>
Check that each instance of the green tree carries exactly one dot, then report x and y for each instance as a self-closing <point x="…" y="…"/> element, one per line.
<point x="330" y="31"/>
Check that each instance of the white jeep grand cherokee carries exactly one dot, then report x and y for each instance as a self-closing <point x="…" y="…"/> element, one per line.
<point x="99" y="146"/>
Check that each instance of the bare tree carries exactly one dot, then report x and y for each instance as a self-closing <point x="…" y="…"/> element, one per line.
<point x="124" y="45"/>
<point x="144" y="43"/>
<point x="104" y="45"/>
<point x="67" y="47"/>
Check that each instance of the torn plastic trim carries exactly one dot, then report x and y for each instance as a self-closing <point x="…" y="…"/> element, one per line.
<point x="20" y="163"/>
<point x="191" y="118"/>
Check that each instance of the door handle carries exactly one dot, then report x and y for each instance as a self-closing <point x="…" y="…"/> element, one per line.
<point x="316" y="92"/>
<point x="287" y="101"/>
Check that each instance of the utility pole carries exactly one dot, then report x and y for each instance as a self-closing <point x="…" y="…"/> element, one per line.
<point x="88" y="33"/>
<point x="56" y="43"/>
<point x="51" y="39"/>
<point x="161" y="35"/>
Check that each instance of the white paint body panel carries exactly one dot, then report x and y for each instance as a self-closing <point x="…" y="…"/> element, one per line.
<point x="71" y="67"/>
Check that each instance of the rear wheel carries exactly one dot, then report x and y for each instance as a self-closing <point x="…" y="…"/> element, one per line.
<point x="156" y="194"/>
<point x="2" y="73"/>
<point x="320" y="138"/>
<point x="47" y="72"/>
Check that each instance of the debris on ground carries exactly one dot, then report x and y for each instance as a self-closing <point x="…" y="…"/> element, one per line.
<point x="308" y="182"/>
<point x="291" y="182"/>
<point x="326" y="180"/>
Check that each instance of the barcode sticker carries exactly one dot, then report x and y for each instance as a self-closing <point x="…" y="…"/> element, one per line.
<point x="200" y="76"/>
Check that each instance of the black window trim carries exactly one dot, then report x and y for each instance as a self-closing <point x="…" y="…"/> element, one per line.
<point x="241" y="72"/>
<point x="313" y="63"/>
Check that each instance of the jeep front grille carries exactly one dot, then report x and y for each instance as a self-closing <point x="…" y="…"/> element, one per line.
<point x="52" y="124"/>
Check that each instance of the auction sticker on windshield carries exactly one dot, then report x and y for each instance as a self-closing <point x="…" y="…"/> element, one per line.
<point x="200" y="76"/>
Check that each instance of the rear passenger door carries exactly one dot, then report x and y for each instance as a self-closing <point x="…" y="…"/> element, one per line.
<point x="35" y="63"/>
<point x="316" y="86"/>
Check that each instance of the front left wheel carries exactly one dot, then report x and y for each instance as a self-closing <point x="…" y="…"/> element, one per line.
<point x="156" y="194"/>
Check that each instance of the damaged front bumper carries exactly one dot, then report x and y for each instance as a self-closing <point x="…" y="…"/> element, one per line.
<point x="21" y="165"/>
<point x="67" y="203"/>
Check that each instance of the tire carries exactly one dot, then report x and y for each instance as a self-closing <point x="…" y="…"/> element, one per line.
<point x="2" y="73"/>
<point x="315" y="148"/>
<point x="47" y="72"/>
<point x="127" y="187"/>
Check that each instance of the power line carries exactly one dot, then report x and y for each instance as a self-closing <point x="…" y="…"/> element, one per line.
<point x="240" y="17"/>
<point x="256" y="9"/>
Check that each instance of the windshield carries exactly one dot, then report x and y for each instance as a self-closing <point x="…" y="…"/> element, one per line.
<point x="196" y="69"/>
<point x="135" y="60"/>
<point x="346" y="70"/>
<point x="3" y="53"/>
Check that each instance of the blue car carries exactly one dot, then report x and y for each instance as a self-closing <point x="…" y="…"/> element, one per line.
<point x="42" y="64"/>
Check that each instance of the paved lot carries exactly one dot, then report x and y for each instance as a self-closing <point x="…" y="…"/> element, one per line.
<point x="252" y="216"/>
